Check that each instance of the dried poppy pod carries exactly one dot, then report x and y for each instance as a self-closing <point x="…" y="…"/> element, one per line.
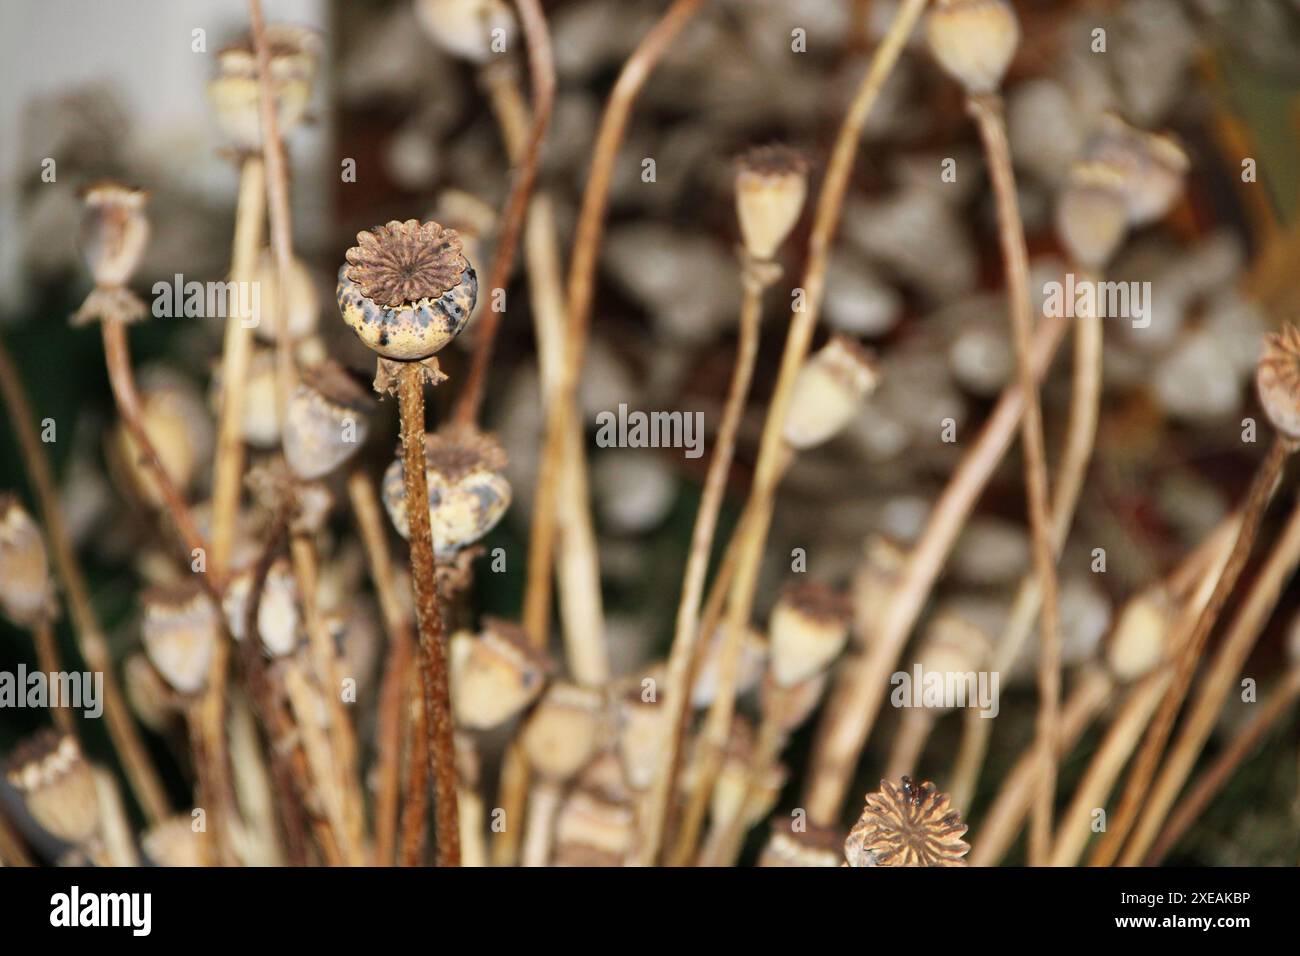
<point x="973" y="41"/>
<point x="260" y="421"/>
<point x="114" y="231"/>
<point x="25" y="590"/>
<point x="494" y="675"/>
<point x="472" y="30"/>
<point x="771" y="186"/>
<point x="952" y="645"/>
<point x="180" y="632"/>
<point x="592" y="822"/>
<point x="731" y="790"/>
<point x="809" y="626"/>
<point x="640" y="720"/>
<point x="753" y="660"/>
<point x="173" y="842"/>
<point x="179" y="429"/>
<point x="873" y="584"/>
<point x="829" y="392"/>
<point x="279" y="621"/>
<point x="233" y="92"/>
<point x="797" y="702"/>
<point x="57" y="785"/>
<point x="562" y="733"/>
<point x="328" y="420"/>
<point x="1138" y="642"/>
<point x="301" y="307"/>
<point x="907" y="826"/>
<point x="468" y="494"/>
<point x="148" y="694"/>
<point x="813" y="847"/>
<point x="1277" y="379"/>
<point x="1152" y="166"/>
<point x="1092" y="214"/>
<point x="407" y="289"/>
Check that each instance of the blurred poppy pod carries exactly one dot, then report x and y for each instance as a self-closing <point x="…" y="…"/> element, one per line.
<point x="641" y="721"/>
<point x="25" y="590"/>
<point x="952" y="645"/>
<point x="873" y="584"/>
<point x="151" y="699"/>
<point x="179" y="429"/>
<point x="973" y="41"/>
<point x="753" y="658"/>
<point x="180" y="633"/>
<point x="57" y="786"/>
<point x="260" y="422"/>
<point x="1092" y="214"/>
<point x="233" y="92"/>
<point x="771" y="186"/>
<point x="593" y="822"/>
<point x="1138" y="642"/>
<point x="328" y="420"/>
<point x="406" y="289"/>
<point x="797" y="702"/>
<point x="563" y="730"/>
<point x="1277" y="379"/>
<point x="815" y="846"/>
<point x="731" y="791"/>
<point x="1151" y="166"/>
<point x="829" y="392"/>
<point x="173" y="842"/>
<point x="114" y="231"/>
<point x="469" y="29"/>
<point x="300" y="310"/>
<point x="279" y="621"/>
<point x="907" y="825"/>
<point x="468" y="494"/>
<point x="809" y="626"/>
<point x="494" y="675"/>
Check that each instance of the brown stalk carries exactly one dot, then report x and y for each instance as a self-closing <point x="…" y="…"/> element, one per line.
<point x="988" y="114"/>
<point x="47" y="658"/>
<point x="416" y="810"/>
<point x="1139" y="779"/>
<point x="12" y="851"/>
<point x="428" y="615"/>
<point x="541" y="66"/>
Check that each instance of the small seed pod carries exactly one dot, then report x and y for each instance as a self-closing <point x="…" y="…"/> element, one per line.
<point x="1152" y="167"/>
<point x="180" y="632"/>
<point x="1139" y="640"/>
<point x="279" y="622"/>
<point x="732" y="786"/>
<point x="469" y="29"/>
<point x="234" y="92"/>
<point x="468" y="494"/>
<point x="973" y="41"/>
<point x="873" y="584"/>
<point x="494" y="675"/>
<point x="815" y="846"/>
<point x="799" y="701"/>
<point x="114" y="231"/>
<point x="753" y="659"/>
<point x="1092" y="214"/>
<point x="173" y="842"/>
<point x="907" y="826"/>
<point x="1277" y="379"/>
<point x="301" y="307"/>
<point x="771" y="186"/>
<point x="259" y="422"/>
<point x="829" y="392"/>
<point x="151" y="699"/>
<point x="952" y="645"/>
<point x="641" y="724"/>
<point x="25" y="589"/>
<point x="407" y="289"/>
<point x="57" y="786"/>
<point x="597" y="827"/>
<point x="327" y="421"/>
<point x="179" y="429"/>
<point x="562" y="733"/>
<point x="808" y="627"/>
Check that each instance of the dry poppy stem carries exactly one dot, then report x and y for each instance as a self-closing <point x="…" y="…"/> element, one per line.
<point x="988" y="114"/>
<point x="428" y="615"/>
<point x="397" y="671"/>
<point x="846" y="729"/>
<point x="686" y="637"/>
<point x="1188" y="655"/>
<point x="543" y="808"/>
<point x="773" y="450"/>
<point x="541" y="66"/>
<point x="415" y="812"/>
<point x="145" y="783"/>
<point x="304" y="700"/>
<point x="1080" y="439"/>
<point x="1224" y="767"/>
<point x="47" y="658"/>
<point x="1228" y="660"/>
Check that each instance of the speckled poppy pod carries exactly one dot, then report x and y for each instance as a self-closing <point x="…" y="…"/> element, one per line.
<point x="973" y="41"/>
<point x="494" y="675"/>
<point x="57" y="786"/>
<point x="114" y="232"/>
<point x="907" y="825"/>
<point x="813" y="847"/>
<point x="1152" y="166"/>
<point x="829" y="392"/>
<point x="407" y="289"/>
<point x="233" y="92"/>
<point x="808" y="627"/>
<point x="328" y="420"/>
<point x="469" y="29"/>
<point x="1092" y="214"/>
<point x="468" y="493"/>
<point x="1277" y="379"/>
<point x="180" y="632"/>
<point x="563" y="730"/>
<point x="24" y="567"/>
<point x="771" y="186"/>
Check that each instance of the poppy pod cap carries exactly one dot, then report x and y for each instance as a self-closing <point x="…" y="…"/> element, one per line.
<point x="407" y="289"/>
<point x="327" y="421"/>
<point x="563" y="730"/>
<point x="829" y="391"/>
<point x="771" y="186"/>
<point x="1092" y="213"/>
<point x="25" y="593"/>
<point x="180" y="632"/>
<point x="1277" y="379"/>
<point x="973" y="40"/>
<point x="57" y="786"/>
<point x="494" y="675"/>
<point x="907" y="825"/>
<point x="808" y="627"/>
<point x="114" y="230"/>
